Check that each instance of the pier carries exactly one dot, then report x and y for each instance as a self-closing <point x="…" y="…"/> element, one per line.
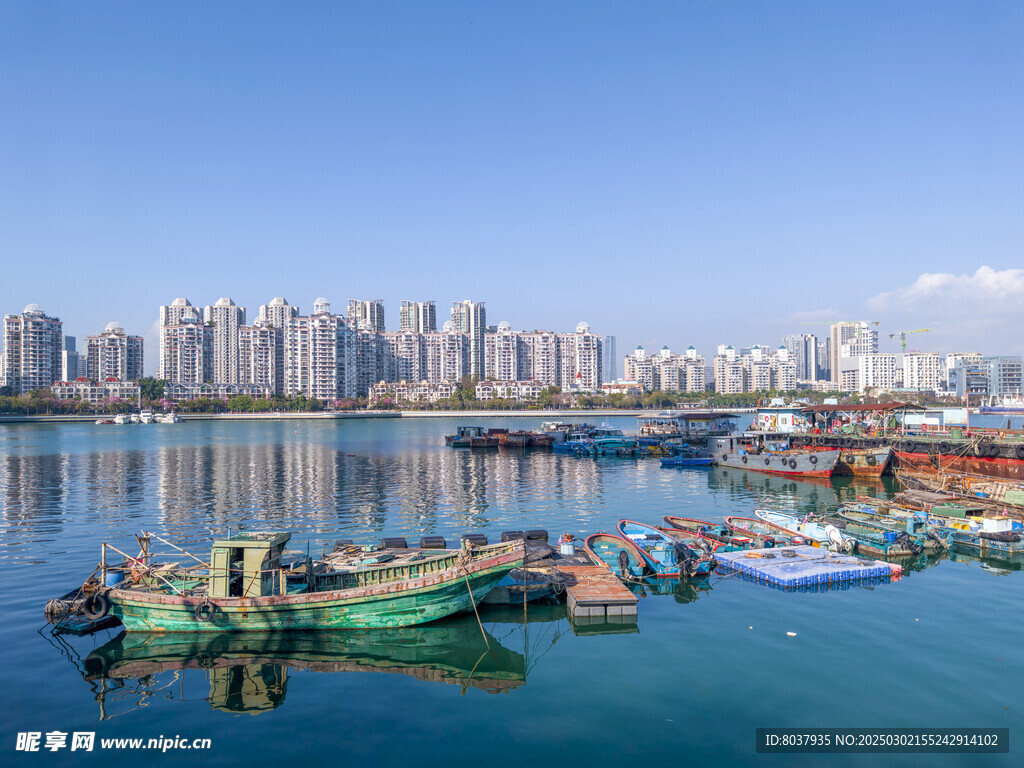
<point x="594" y="594"/>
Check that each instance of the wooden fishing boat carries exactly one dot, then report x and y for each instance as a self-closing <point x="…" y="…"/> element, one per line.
<point x="621" y="556"/>
<point x="669" y="557"/>
<point x="821" y="534"/>
<point x="917" y="529"/>
<point x="766" y="534"/>
<point x="977" y="490"/>
<point x="247" y="586"/>
<point x="987" y="543"/>
<point x="877" y="543"/>
<point x="719" y="533"/>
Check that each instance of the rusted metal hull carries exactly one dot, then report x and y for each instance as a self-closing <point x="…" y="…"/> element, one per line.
<point x="997" y="467"/>
<point x="393" y="604"/>
<point x="864" y="462"/>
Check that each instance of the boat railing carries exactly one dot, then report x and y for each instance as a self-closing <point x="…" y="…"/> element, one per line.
<point x="136" y="569"/>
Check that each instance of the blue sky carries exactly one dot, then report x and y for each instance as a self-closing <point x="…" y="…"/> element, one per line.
<point x="674" y="173"/>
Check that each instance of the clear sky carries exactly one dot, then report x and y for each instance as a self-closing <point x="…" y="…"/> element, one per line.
<point x="673" y="173"/>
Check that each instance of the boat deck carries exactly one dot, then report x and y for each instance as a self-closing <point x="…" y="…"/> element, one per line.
<point x="593" y="593"/>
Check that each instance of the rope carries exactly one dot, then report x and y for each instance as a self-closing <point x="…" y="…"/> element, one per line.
<point x="461" y="562"/>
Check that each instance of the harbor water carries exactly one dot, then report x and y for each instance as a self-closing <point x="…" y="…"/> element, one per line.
<point x="708" y="662"/>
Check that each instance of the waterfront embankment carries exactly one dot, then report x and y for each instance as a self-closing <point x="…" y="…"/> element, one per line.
<point x="284" y="415"/>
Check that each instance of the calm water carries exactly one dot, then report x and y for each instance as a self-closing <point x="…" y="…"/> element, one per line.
<point x="708" y="664"/>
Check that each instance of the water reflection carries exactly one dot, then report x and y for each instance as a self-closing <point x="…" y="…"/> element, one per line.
<point x="248" y="673"/>
<point x="681" y="590"/>
<point x="194" y="490"/>
<point x="788" y="494"/>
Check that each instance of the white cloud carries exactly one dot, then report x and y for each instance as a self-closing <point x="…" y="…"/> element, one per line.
<point x="986" y="288"/>
<point x="977" y="311"/>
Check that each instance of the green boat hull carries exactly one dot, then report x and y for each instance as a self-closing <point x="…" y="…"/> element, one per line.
<point x="397" y="604"/>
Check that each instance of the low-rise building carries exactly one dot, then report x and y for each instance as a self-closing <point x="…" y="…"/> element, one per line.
<point x="411" y="391"/>
<point x="110" y="389"/>
<point x="522" y="391"/>
<point x="215" y="391"/>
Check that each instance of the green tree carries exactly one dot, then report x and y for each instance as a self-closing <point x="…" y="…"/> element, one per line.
<point x="151" y="388"/>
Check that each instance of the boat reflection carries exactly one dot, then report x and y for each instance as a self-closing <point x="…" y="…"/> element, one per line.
<point x="248" y="673"/>
<point x="681" y="590"/>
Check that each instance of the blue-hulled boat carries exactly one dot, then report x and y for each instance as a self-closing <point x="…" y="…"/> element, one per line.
<point x="687" y="461"/>
<point x="621" y="556"/>
<point x="577" y="443"/>
<point x="667" y="556"/>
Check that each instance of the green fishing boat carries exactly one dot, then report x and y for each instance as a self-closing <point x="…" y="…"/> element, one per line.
<point x="249" y="586"/>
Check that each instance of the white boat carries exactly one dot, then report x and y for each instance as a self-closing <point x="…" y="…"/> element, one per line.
<point x="100" y="421"/>
<point x="146" y="417"/>
<point x="121" y="419"/>
<point x="827" y="536"/>
<point x="134" y="418"/>
<point x="168" y="418"/>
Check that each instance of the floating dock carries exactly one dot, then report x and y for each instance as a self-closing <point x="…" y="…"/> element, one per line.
<point x="595" y="595"/>
<point x="803" y="566"/>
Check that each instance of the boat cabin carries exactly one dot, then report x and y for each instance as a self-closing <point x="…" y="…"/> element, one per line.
<point x="781" y="419"/>
<point x="466" y="433"/>
<point x="247" y="565"/>
<point x="749" y="442"/>
<point x="686" y="424"/>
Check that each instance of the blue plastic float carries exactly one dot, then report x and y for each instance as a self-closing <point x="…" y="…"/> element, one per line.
<point x="802" y="566"/>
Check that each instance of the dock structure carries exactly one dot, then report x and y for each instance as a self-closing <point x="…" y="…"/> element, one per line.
<point x="594" y="594"/>
<point x="804" y="566"/>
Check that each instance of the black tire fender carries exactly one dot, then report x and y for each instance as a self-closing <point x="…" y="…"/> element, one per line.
<point x="96" y="607"/>
<point x="204" y="611"/>
<point x="813" y="459"/>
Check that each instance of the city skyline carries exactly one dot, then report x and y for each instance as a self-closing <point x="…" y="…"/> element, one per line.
<point x="613" y="164"/>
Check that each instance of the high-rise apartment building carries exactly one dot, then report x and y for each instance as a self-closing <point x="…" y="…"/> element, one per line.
<point x="72" y="364"/>
<point x="639" y="367"/>
<point x="171" y="315"/>
<point x="225" y="319"/>
<point x="186" y="349"/>
<point x="803" y="348"/>
<point x="923" y="371"/>
<point x="470" y="318"/>
<point x="859" y="373"/>
<point x="366" y="315"/>
<point x="609" y="359"/>
<point x="33" y="343"/>
<point x="754" y="369"/>
<point x="277" y="313"/>
<point x="418" y="317"/>
<point x="261" y="356"/>
<point x="113" y="353"/>
<point x="848" y="339"/>
<point x="320" y="355"/>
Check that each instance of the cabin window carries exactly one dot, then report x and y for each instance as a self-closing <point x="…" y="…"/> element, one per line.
<point x="236" y="572"/>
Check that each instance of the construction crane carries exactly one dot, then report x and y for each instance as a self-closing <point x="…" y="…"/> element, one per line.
<point x="903" y="337"/>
